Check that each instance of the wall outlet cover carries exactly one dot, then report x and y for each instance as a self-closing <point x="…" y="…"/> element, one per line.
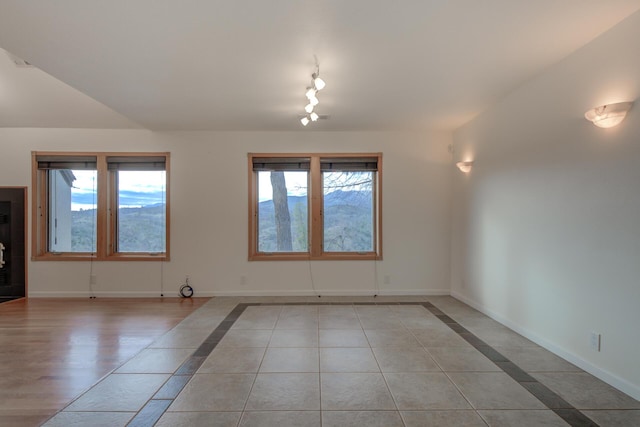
<point x="594" y="341"/>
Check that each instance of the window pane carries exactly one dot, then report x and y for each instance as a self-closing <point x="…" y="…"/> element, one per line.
<point x="348" y="209"/>
<point x="141" y="211"/>
<point x="72" y="210"/>
<point x="282" y="211"/>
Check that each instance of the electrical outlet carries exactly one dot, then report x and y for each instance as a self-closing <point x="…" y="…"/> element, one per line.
<point x="93" y="279"/>
<point x="243" y="280"/>
<point x="387" y="280"/>
<point x="595" y="341"/>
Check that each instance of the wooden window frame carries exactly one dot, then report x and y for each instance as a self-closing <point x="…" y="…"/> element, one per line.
<point x="106" y="215"/>
<point x="315" y="211"/>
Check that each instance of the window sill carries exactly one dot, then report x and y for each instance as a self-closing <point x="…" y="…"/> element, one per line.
<point x="335" y="256"/>
<point x="89" y="257"/>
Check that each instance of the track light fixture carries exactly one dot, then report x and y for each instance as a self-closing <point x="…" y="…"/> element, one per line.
<point x="311" y="92"/>
<point x="317" y="81"/>
<point x="317" y="84"/>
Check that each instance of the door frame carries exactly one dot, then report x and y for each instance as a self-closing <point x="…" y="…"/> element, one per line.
<point x="26" y="235"/>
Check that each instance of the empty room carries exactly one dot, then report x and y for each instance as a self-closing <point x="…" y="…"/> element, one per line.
<point x="319" y="213"/>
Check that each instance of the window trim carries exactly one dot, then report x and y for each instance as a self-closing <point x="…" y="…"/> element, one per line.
<point x="315" y="209"/>
<point x="106" y="201"/>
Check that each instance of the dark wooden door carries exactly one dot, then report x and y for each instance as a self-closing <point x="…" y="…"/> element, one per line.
<point x="12" y="243"/>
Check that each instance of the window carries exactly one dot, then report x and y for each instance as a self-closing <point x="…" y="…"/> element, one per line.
<point x="105" y="206"/>
<point x="314" y="206"/>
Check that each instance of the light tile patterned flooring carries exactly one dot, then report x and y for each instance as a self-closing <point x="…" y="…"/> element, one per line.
<point x="293" y="362"/>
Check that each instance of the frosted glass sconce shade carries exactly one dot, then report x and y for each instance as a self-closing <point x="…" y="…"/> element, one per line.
<point x="610" y="115"/>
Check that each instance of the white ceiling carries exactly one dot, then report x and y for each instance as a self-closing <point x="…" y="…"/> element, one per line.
<point x="244" y="64"/>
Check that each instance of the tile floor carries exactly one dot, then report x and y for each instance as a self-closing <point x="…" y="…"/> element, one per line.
<point x="430" y="361"/>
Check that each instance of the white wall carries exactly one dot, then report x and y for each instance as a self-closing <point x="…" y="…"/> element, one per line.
<point x="546" y="227"/>
<point x="209" y="213"/>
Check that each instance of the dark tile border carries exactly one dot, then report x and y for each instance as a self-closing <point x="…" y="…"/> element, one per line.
<point x="164" y="397"/>
<point x="544" y="394"/>
<point x="150" y="413"/>
<point x="160" y="402"/>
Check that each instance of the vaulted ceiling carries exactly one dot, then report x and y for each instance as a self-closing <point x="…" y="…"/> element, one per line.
<point x="245" y="64"/>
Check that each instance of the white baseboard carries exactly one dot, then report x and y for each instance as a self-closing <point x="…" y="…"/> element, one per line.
<point x="85" y="294"/>
<point x="253" y="293"/>
<point x="611" y="379"/>
<point x="332" y="293"/>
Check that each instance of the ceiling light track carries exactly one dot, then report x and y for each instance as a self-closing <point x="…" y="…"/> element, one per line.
<point x="317" y="84"/>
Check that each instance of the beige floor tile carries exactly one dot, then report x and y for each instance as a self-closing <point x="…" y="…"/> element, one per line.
<point x="156" y="361"/>
<point x="613" y="418"/>
<point x="347" y="360"/>
<point x="339" y="321"/>
<point x="525" y="418"/>
<point x="214" y="392"/>
<point x="391" y="338"/>
<point x="361" y="418"/>
<point x="462" y="418"/>
<point x="261" y="312"/>
<point x="281" y="419"/>
<point x="199" y="419"/>
<point x="372" y="310"/>
<point x="343" y="338"/>
<point x="294" y="338"/>
<point x="420" y="322"/>
<point x="380" y="321"/>
<point x="267" y="324"/>
<point x="584" y="391"/>
<point x="439" y="336"/>
<point x="494" y="390"/>
<point x="296" y="311"/>
<point x="362" y="391"/>
<point x="537" y="359"/>
<point x="202" y="320"/>
<point x="297" y="322"/>
<point x="409" y="311"/>
<point x="501" y="337"/>
<point x="477" y="321"/>
<point x="180" y="337"/>
<point x="416" y="391"/>
<point x="93" y="419"/>
<point x="120" y="393"/>
<point x="278" y="359"/>
<point x="285" y="392"/>
<point x="298" y="317"/>
<point x="233" y="360"/>
<point x="246" y="338"/>
<point x="336" y="310"/>
<point x="405" y="359"/>
<point x="453" y="359"/>
<point x="257" y="317"/>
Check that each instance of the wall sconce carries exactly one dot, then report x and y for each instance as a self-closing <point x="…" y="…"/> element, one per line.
<point x="464" y="166"/>
<point x="610" y="115"/>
